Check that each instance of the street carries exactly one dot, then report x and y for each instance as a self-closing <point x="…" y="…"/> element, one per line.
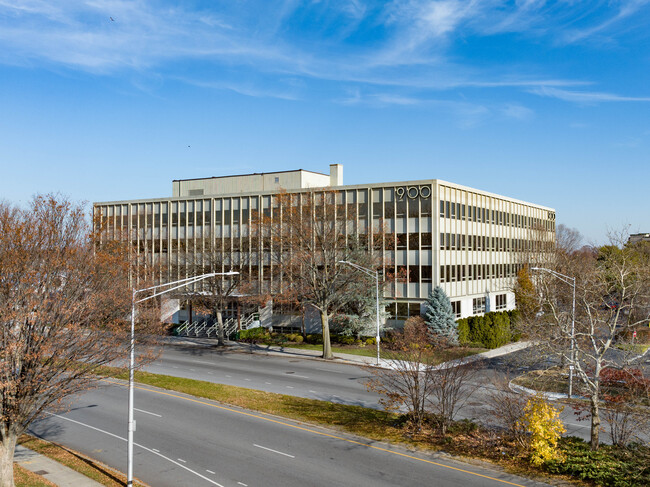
<point x="185" y="441"/>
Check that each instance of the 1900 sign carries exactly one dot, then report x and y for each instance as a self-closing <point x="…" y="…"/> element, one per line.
<point x="413" y="192"/>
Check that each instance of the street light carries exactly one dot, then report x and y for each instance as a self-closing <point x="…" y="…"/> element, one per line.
<point x="131" y="424"/>
<point x="375" y="273"/>
<point x="572" y="281"/>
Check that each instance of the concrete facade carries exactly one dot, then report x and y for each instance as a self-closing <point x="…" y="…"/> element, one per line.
<point x="470" y="242"/>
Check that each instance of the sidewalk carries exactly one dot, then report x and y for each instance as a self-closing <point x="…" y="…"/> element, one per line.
<point x="53" y="471"/>
<point x="338" y="357"/>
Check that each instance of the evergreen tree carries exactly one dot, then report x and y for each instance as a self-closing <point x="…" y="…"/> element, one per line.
<point x="439" y="316"/>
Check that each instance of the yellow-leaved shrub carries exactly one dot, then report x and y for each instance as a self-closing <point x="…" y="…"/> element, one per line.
<point x="543" y="422"/>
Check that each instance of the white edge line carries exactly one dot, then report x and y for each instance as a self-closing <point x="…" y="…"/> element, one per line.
<point x="274" y="451"/>
<point x="138" y="445"/>
<point x="147" y="412"/>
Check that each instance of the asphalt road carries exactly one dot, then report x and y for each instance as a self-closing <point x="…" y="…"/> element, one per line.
<point x="184" y="441"/>
<point x="315" y="379"/>
<point x="330" y="381"/>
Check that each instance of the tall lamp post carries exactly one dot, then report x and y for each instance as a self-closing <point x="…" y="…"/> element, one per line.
<point x="375" y="273"/>
<point x="177" y="284"/>
<point x="572" y="281"/>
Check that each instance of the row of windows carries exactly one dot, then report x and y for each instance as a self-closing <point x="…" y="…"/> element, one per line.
<point x="470" y="272"/>
<point x="460" y="211"/>
<point x="454" y="241"/>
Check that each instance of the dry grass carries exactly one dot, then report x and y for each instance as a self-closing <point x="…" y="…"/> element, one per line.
<point x="76" y="461"/>
<point x="25" y="478"/>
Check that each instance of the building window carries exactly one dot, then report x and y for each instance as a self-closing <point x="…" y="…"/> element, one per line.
<point x="478" y="305"/>
<point x="500" y="301"/>
<point x="427" y="273"/>
<point x="455" y="306"/>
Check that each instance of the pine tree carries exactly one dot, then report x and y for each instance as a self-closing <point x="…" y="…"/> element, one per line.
<point x="439" y="316"/>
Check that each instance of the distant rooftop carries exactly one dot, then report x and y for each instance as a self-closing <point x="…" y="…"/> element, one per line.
<point x="258" y="182"/>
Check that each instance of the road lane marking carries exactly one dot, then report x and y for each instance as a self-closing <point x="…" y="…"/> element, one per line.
<point x="302" y="376"/>
<point x="274" y="451"/>
<point x="302" y="428"/>
<point x="155" y="452"/>
<point x="268" y="383"/>
<point x="181" y="460"/>
<point x="201" y="362"/>
<point x="241" y="483"/>
<point x="247" y="380"/>
<point x="228" y="375"/>
<point x="313" y="392"/>
<point x="210" y="471"/>
<point x="289" y="387"/>
<point x="147" y="412"/>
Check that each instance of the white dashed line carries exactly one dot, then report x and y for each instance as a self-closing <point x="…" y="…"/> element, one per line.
<point x="274" y="451"/>
<point x="302" y="376"/>
<point x="147" y="412"/>
<point x="157" y="451"/>
<point x="247" y="380"/>
<point x="268" y="383"/>
<point x="313" y="392"/>
<point x="139" y="446"/>
<point x="228" y="375"/>
<point x="210" y="471"/>
<point x="181" y="460"/>
<point x="289" y="387"/>
<point x="241" y="483"/>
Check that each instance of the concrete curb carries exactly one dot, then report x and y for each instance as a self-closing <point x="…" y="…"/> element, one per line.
<point x="341" y="357"/>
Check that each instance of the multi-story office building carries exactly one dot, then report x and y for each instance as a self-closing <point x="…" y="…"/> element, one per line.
<point x="470" y="242"/>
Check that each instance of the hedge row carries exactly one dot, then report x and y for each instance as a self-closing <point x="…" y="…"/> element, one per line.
<point x="491" y="330"/>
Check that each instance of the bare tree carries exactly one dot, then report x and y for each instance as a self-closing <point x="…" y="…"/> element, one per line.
<point x="63" y="310"/>
<point x="612" y="299"/>
<point x="507" y="410"/>
<point x="406" y="384"/>
<point x="452" y="385"/>
<point x="306" y="236"/>
<point x="214" y="294"/>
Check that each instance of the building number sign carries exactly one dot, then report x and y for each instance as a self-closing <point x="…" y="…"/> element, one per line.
<point x="413" y="192"/>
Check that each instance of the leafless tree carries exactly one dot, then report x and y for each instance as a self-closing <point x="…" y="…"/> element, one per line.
<point x="612" y="300"/>
<point x="406" y="384"/>
<point x="64" y="304"/>
<point x="306" y="236"/>
<point x="507" y="410"/>
<point x="452" y="385"/>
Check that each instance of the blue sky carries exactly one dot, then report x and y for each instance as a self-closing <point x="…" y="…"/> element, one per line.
<point x="547" y="102"/>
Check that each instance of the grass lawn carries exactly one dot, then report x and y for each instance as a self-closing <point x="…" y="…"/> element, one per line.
<point x="25" y="478"/>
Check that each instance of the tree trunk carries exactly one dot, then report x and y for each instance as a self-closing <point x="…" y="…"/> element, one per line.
<point x="327" y="346"/>
<point x="220" y="331"/>
<point x="595" y="421"/>
<point x="7" y="447"/>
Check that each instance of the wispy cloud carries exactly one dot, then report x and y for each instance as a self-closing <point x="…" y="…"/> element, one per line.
<point x="586" y="96"/>
<point x="253" y="47"/>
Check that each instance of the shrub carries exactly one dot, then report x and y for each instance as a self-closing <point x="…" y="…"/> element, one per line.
<point x="491" y="330"/>
<point x="298" y="339"/>
<point x="371" y="341"/>
<point x="254" y="335"/>
<point x="314" y="339"/>
<point x="608" y="466"/>
<point x="543" y="423"/>
<point x="463" y="331"/>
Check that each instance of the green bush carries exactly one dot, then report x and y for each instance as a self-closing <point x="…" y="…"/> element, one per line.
<point x="314" y="339"/>
<point x="608" y="466"/>
<point x="258" y="334"/>
<point x="463" y="331"/>
<point x="491" y="330"/>
<point x="298" y="339"/>
<point x="371" y="341"/>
